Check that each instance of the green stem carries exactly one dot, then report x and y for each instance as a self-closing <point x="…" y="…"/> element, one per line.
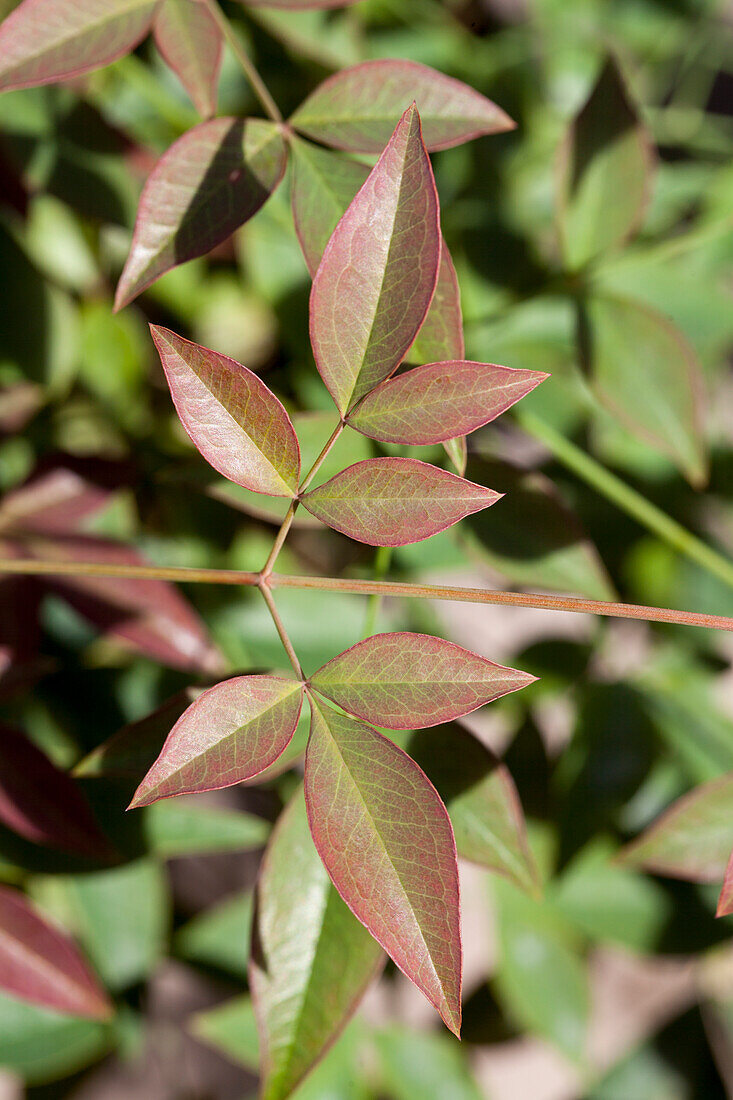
<point x="280" y="627"/>
<point x="259" y="87"/>
<point x="382" y="562"/>
<point x="36" y="567"/>
<point x="627" y="499"/>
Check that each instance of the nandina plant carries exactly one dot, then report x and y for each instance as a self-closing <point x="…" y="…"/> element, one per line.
<point x="363" y="860"/>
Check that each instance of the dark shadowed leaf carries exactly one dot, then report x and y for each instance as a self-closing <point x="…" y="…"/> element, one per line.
<point x="149" y="615"/>
<point x="229" y="734"/>
<point x="534" y="539"/>
<point x="395" y="501"/>
<point x="53" y="502"/>
<point x="191" y="43"/>
<point x="407" y="681"/>
<point x="41" y="803"/>
<point x="378" y="274"/>
<point x="311" y="960"/>
<point x="481" y="799"/>
<point x="39" y="964"/>
<point x="387" y="843"/>
<point x="133" y="750"/>
<point x="692" y="839"/>
<point x="209" y="183"/>
<point x="357" y="108"/>
<point x="439" y="401"/>
<point x="647" y="375"/>
<point x="605" y="170"/>
<point x="48" y="40"/>
<point x="238" y="425"/>
<point x="725" y="902"/>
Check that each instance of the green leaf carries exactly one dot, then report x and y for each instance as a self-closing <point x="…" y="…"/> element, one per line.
<point x="182" y="826"/>
<point x="425" y="1065"/>
<point x="605" y="171"/>
<point x="220" y="936"/>
<point x="43" y="1046"/>
<point x="312" y="960"/>
<point x="376" y="818"/>
<point x="644" y="371"/>
<point x="481" y="799"/>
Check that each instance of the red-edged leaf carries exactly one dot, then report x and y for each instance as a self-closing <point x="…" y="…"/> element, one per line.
<point x="41" y="803"/>
<point x="47" y="40"/>
<point x="149" y="615"/>
<point x="238" y="425"/>
<point x="209" y="183"/>
<point x="408" y="681"/>
<point x="386" y="841"/>
<point x="311" y="958"/>
<point x="38" y="963"/>
<point x="230" y="733"/>
<point x="191" y="43"/>
<point x="441" y="335"/>
<point x="481" y="799"/>
<point x="356" y="108"/>
<point x="692" y="839"/>
<point x="441" y="400"/>
<point x="725" y="901"/>
<point x="395" y="501"/>
<point x="378" y="274"/>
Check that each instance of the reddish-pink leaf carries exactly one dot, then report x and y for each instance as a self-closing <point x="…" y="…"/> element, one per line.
<point x="692" y="839"/>
<point x="725" y="902"/>
<point x="53" y="502"/>
<point x="38" y="963"/>
<point x="386" y="841"/>
<point x="356" y="108"/>
<point x="150" y="615"/>
<point x="378" y="274"/>
<point x="190" y="41"/>
<point x="408" y="681"/>
<point x="47" y="40"/>
<point x="441" y="400"/>
<point x="209" y="183"/>
<point x="41" y="803"/>
<point x="395" y="501"/>
<point x="441" y="335"/>
<point x="230" y="733"/>
<point x="239" y="426"/>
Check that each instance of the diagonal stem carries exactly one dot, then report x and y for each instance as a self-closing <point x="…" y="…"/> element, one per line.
<point x="258" y="85"/>
<point x="30" y="566"/>
<point x="280" y="627"/>
<point x="626" y="498"/>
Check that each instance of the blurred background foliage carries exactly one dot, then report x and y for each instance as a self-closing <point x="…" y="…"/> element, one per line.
<point x="615" y="985"/>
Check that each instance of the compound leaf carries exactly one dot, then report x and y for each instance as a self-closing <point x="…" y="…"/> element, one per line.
<point x="207" y="185"/>
<point x="378" y="274"/>
<point x="230" y="733"/>
<point x="238" y="425"/>
<point x="387" y="843"/>
<point x="692" y="839"/>
<point x="438" y="401"/>
<point x="38" y="963"/>
<point x="605" y="169"/>
<point x="190" y="41"/>
<point x="395" y="501"/>
<point x="47" y="40"/>
<point x="408" y="681"/>
<point x="356" y="109"/>
<point x="312" y="960"/>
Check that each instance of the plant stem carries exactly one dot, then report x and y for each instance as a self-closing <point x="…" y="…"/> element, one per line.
<point x="628" y="499"/>
<point x="29" y="566"/>
<point x="382" y="562"/>
<point x="269" y="105"/>
<point x="280" y="627"/>
<point x="322" y="456"/>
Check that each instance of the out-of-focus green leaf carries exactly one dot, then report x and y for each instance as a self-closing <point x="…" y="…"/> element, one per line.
<point x="426" y="1065"/>
<point x="232" y="1029"/>
<point x="219" y="936"/>
<point x="44" y="1046"/>
<point x="605" y="170"/>
<point x="120" y="918"/>
<point x="645" y="372"/>
<point x="181" y="826"/>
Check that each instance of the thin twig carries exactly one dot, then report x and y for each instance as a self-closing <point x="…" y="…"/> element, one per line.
<point x="258" y="85"/>
<point x="369" y="588"/>
<point x="280" y="627"/>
